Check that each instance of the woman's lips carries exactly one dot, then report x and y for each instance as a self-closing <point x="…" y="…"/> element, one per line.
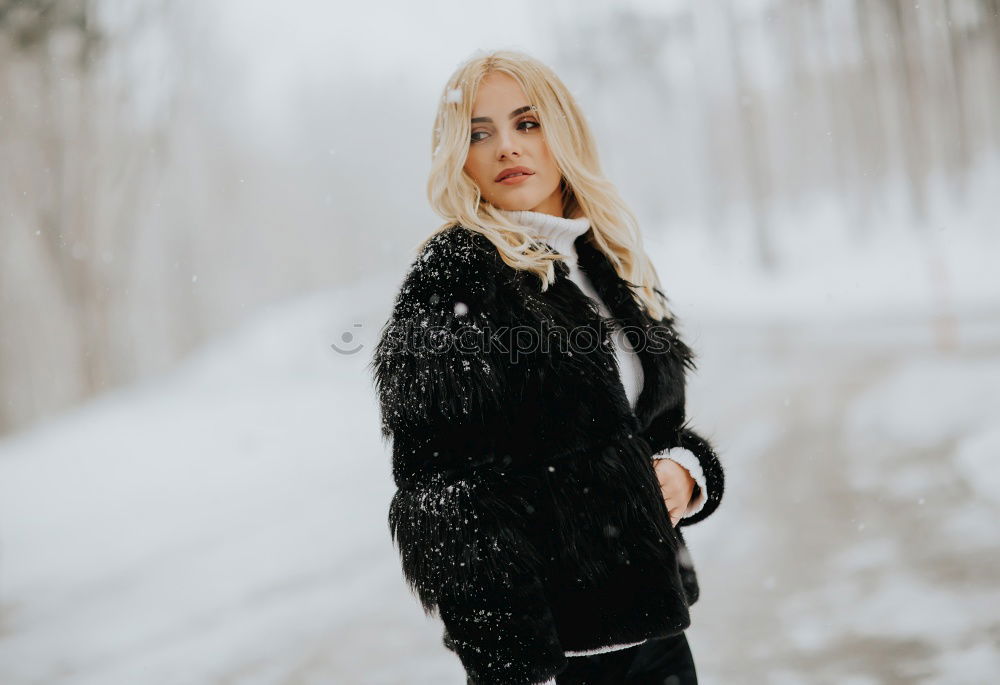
<point x="514" y="180"/>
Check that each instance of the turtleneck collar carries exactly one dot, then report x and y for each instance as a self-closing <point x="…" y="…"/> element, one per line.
<point x="557" y="231"/>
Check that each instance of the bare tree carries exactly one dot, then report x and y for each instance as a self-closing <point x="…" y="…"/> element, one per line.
<point x="76" y="179"/>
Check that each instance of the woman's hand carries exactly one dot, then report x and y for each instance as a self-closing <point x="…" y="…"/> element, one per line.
<point x="676" y="486"/>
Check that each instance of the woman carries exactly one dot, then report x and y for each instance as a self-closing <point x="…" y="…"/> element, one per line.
<point x="532" y="382"/>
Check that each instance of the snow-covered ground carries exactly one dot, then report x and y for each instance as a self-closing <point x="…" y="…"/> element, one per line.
<point x="226" y="523"/>
<point x="859" y="540"/>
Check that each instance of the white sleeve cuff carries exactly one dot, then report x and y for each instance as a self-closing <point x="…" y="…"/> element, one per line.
<point x="688" y="460"/>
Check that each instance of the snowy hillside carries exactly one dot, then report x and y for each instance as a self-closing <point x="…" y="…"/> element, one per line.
<point x="226" y="523"/>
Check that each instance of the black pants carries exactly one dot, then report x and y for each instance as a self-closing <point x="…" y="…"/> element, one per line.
<point x="663" y="661"/>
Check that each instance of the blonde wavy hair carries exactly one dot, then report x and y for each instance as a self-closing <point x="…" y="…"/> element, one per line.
<point x="586" y="192"/>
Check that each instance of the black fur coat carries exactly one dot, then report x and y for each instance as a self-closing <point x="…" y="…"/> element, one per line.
<point x="528" y="513"/>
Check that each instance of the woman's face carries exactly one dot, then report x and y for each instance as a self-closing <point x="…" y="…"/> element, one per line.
<point x="506" y="134"/>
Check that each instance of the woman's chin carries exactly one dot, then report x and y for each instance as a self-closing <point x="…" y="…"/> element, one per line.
<point x="514" y="202"/>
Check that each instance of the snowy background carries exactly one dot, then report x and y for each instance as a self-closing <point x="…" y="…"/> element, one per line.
<point x="198" y="200"/>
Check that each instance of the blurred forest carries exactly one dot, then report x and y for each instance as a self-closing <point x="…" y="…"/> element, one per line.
<point x="142" y="211"/>
<point x="774" y="103"/>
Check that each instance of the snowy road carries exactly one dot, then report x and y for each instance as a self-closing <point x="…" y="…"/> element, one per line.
<point x="226" y="524"/>
<point x="859" y="544"/>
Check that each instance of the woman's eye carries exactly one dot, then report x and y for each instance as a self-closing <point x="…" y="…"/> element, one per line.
<point x="534" y="125"/>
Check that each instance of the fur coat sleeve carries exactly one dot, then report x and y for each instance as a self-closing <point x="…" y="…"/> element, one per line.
<point x="461" y="541"/>
<point x="711" y="468"/>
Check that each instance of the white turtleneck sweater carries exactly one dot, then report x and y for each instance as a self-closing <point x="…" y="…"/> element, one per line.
<point x="560" y="233"/>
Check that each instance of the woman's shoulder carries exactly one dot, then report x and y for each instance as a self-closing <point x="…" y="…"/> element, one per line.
<point x="460" y="246"/>
<point x="455" y="262"/>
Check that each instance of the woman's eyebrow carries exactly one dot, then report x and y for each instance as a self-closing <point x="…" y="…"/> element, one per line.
<point x="519" y="110"/>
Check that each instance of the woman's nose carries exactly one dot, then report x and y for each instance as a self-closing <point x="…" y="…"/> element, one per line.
<point x="508" y="145"/>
